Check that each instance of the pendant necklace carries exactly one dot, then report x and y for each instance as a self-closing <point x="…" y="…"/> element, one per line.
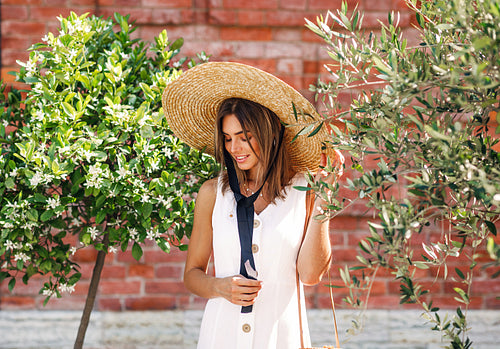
<point x="248" y="190"/>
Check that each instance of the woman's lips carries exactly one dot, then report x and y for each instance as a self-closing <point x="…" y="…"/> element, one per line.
<point x="240" y="158"/>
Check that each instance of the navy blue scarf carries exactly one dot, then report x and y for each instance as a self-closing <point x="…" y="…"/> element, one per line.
<point x="245" y="212"/>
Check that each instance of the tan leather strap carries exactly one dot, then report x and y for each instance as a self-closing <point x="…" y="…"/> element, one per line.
<point x="333" y="310"/>
<point x="300" y="313"/>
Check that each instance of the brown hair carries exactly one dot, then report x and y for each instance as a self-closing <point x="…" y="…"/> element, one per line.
<point x="265" y="126"/>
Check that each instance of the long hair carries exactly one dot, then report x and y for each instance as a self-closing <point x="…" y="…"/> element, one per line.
<point x="265" y="126"/>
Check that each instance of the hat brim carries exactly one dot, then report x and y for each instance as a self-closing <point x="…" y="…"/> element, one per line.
<point x="191" y="103"/>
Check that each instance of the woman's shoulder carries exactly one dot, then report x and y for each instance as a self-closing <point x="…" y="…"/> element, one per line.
<point x="209" y="188"/>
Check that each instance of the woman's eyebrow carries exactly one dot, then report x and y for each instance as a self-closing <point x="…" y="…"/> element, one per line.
<point x="236" y="134"/>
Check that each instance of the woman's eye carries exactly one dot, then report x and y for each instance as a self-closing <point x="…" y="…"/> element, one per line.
<point x="227" y="140"/>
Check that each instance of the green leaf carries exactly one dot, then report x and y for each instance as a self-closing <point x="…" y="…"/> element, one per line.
<point x="101" y="215"/>
<point x="136" y="251"/>
<point x="460" y="274"/>
<point x="68" y="109"/>
<point x="39" y="198"/>
<point x="9" y="183"/>
<point x="32" y="215"/>
<point x="164" y="245"/>
<point x="177" y="44"/>
<point x="147" y="208"/>
<point x="491" y="226"/>
<point x="421" y="265"/>
<point x="46" y="215"/>
<point x="11" y="284"/>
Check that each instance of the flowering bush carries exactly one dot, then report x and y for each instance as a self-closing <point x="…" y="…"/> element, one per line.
<point x="88" y="152"/>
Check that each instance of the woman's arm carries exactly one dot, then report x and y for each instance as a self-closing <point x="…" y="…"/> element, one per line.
<point x="315" y="253"/>
<point x="236" y="289"/>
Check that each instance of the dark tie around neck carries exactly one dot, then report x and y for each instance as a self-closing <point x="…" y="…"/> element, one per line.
<point x="245" y="213"/>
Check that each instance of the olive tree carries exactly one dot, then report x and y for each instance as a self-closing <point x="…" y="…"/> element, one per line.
<point x="425" y="114"/>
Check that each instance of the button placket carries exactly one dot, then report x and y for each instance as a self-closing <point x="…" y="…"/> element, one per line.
<point x="255" y="248"/>
<point x="246" y="331"/>
<point x="256" y="241"/>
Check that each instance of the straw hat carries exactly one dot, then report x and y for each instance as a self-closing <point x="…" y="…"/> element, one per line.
<point x="191" y="102"/>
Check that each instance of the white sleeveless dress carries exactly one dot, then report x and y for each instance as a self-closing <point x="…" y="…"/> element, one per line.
<point x="277" y="235"/>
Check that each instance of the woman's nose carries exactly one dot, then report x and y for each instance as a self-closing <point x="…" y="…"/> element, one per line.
<point x="235" y="146"/>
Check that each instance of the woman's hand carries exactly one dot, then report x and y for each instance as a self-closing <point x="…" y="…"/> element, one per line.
<point x="238" y="289"/>
<point x="330" y="177"/>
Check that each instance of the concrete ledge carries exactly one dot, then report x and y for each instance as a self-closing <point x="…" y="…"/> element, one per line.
<point x="179" y="329"/>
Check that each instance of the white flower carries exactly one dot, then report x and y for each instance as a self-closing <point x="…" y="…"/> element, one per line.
<point x="8" y="225"/>
<point x="30" y="68"/>
<point x="191" y="181"/>
<point x="112" y="249"/>
<point x="133" y="233"/>
<point x="93" y="232"/>
<point x="155" y="166"/>
<point x="66" y="288"/>
<point x="21" y="256"/>
<point x="123" y="172"/>
<point x="47" y="292"/>
<point x="165" y="202"/>
<point x="53" y="203"/>
<point x="5" y="123"/>
<point x="13" y="173"/>
<point x="28" y="225"/>
<point x="75" y="222"/>
<point x="38" y="88"/>
<point x="152" y="234"/>
<point x="95" y="170"/>
<point x="9" y="245"/>
<point x="47" y="178"/>
<point x="72" y="53"/>
<point x="36" y="179"/>
<point x="144" y="197"/>
<point x="93" y="182"/>
<point x="72" y="250"/>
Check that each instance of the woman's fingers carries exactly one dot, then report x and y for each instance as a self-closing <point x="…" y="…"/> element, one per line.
<point x="239" y="290"/>
<point x="244" y="291"/>
<point x="337" y="162"/>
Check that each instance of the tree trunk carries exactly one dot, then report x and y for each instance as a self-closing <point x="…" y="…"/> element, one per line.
<point x="89" y="303"/>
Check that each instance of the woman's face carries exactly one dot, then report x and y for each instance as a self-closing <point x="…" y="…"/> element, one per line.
<point x="238" y="146"/>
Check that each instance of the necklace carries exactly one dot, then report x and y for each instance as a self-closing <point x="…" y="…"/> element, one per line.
<point x="248" y="190"/>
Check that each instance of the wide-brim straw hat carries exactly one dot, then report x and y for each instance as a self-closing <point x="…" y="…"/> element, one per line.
<point x="191" y="103"/>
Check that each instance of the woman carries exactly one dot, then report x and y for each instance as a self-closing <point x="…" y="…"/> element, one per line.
<point x="250" y="218"/>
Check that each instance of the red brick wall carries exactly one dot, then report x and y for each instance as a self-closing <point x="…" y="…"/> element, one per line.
<point x="269" y="34"/>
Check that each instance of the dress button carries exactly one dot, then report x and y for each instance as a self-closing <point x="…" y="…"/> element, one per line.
<point x="256" y="223"/>
<point x="255" y="248"/>
<point x="246" y="328"/>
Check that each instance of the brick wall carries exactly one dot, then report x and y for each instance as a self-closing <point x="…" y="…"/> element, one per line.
<point x="269" y="34"/>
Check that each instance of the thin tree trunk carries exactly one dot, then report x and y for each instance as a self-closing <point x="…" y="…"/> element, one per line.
<point x="89" y="302"/>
